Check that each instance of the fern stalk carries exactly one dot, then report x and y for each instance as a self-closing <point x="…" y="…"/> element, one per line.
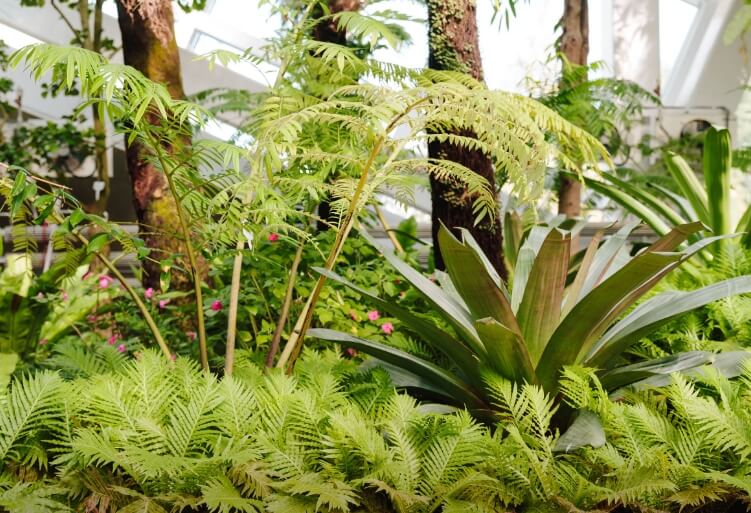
<point x="234" y="292"/>
<point x="276" y="339"/>
<point x="294" y="344"/>
<point x="202" y="348"/>
<point x="130" y="290"/>
<point x="386" y="228"/>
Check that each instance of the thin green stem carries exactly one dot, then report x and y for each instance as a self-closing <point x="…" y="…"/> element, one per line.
<point x="237" y="264"/>
<point x="202" y="346"/>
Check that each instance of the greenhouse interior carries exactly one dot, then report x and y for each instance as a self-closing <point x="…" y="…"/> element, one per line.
<point x="375" y="256"/>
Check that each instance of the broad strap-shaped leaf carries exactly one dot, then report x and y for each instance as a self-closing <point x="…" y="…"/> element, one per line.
<point x="589" y="319"/>
<point x="631" y="204"/>
<point x="677" y="236"/>
<point x="540" y="309"/>
<point x="470" y="241"/>
<point x="585" y="431"/>
<point x="507" y="353"/>
<point x="690" y="186"/>
<point x="449" y="345"/>
<point x="649" y="200"/>
<point x="456" y="314"/>
<point x="479" y="290"/>
<point x="439" y="378"/>
<point x="525" y="261"/>
<point x="717" y="161"/>
<point x="744" y="227"/>
<point x="728" y="364"/>
<point x="657" y="311"/>
<point x="628" y="374"/>
<point x="572" y="293"/>
<point x="604" y="258"/>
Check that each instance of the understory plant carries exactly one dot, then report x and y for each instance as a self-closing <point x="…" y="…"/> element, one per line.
<point x="528" y="334"/>
<point x="146" y="435"/>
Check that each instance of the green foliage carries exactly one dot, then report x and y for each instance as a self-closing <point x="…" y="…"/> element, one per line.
<point x="708" y="202"/>
<point x="530" y="333"/>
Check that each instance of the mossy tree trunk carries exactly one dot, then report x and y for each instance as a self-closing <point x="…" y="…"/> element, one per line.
<point x="327" y="31"/>
<point x="149" y="45"/>
<point x="574" y="45"/>
<point x="454" y="46"/>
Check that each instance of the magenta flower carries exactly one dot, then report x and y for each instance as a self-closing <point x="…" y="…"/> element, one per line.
<point x="273" y="237"/>
<point x="163" y="303"/>
<point x="373" y="315"/>
<point x="192" y="335"/>
<point x="91" y="318"/>
<point x="121" y="348"/>
<point x="64" y="295"/>
<point x="104" y="281"/>
<point x="387" y="328"/>
<point x="111" y="341"/>
<point x="351" y="352"/>
<point x="216" y="305"/>
<point x="149" y="293"/>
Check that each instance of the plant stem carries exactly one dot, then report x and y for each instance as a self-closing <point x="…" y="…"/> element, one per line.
<point x="276" y="339"/>
<point x="294" y="344"/>
<point x="237" y="264"/>
<point x="234" y="297"/>
<point x="202" y="347"/>
<point x="386" y="228"/>
<point x="131" y="292"/>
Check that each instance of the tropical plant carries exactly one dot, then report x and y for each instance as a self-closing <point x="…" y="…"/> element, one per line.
<point x="708" y="202"/>
<point x="542" y="325"/>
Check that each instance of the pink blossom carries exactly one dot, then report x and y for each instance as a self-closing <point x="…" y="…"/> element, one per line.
<point x="173" y="357"/>
<point x="387" y="328"/>
<point x="91" y="318"/>
<point x="149" y="293"/>
<point x="192" y="335"/>
<point x="43" y="341"/>
<point x="273" y="237"/>
<point x="64" y="295"/>
<point x="373" y="315"/>
<point x="351" y="352"/>
<point x="163" y="303"/>
<point x="111" y="341"/>
<point x="121" y="348"/>
<point x="216" y="305"/>
<point x="104" y="281"/>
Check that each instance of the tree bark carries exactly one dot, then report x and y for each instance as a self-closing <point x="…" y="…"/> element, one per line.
<point x="149" y="45"/>
<point x="574" y="45"/>
<point x="454" y="46"/>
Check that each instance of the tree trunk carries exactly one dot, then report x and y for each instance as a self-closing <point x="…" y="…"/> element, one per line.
<point x="148" y="42"/>
<point x="574" y="45"/>
<point x="454" y="46"/>
<point x="328" y="32"/>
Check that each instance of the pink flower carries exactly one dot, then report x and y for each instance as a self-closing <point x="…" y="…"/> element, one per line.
<point x="91" y="318"/>
<point x="192" y="335"/>
<point x="163" y="303"/>
<point x="104" y="281"/>
<point x="373" y="315"/>
<point x="273" y="237"/>
<point x="64" y="295"/>
<point x="121" y="348"/>
<point x="111" y="341"/>
<point x="351" y="352"/>
<point x="173" y="357"/>
<point x="149" y="293"/>
<point x="387" y="328"/>
<point x="353" y="314"/>
<point x="43" y="341"/>
<point x="216" y="305"/>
